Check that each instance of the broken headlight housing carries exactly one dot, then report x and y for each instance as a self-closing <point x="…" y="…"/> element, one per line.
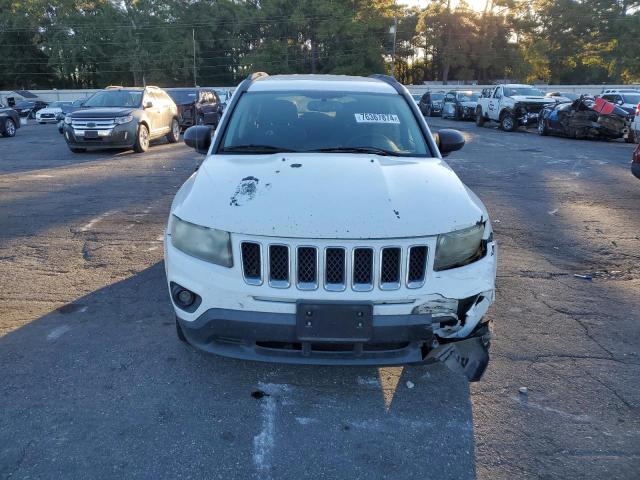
<point x="458" y="248"/>
<point x="207" y="244"/>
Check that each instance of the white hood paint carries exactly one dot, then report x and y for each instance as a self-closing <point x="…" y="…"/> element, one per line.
<point x="54" y="110"/>
<point x="319" y="195"/>
<point x="523" y="98"/>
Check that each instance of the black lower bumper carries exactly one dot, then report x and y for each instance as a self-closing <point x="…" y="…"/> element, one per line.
<point x="273" y="337"/>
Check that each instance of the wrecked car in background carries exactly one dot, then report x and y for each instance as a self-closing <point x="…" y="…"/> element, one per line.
<point x="584" y="118"/>
<point x="273" y="252"/>
<point x="511" y="105"/>
<point x="460" y="105"/>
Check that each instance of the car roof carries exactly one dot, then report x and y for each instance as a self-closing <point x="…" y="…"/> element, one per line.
<point x="334" y="83"/>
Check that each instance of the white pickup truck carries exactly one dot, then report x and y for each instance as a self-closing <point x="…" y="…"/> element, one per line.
<point x="511" y="106"/>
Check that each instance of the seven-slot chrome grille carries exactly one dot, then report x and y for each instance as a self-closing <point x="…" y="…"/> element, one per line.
<point x="334" y="268"/>
<point x="93" y="123"/>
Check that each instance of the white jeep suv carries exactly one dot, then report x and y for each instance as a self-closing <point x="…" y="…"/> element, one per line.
<point x="324" y="227"/>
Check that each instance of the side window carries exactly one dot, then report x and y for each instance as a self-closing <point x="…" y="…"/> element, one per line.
<point x="498" y="93"/>
<point x="450" y="98"/>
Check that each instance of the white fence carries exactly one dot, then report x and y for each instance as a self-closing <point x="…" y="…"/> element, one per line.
<point x="70" y="95"/>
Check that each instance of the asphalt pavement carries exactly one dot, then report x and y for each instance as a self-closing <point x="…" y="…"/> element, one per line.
<point x="95" y="384"/>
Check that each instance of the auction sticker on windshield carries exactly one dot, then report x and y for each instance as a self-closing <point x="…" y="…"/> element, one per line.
<point x="376" y="118"/>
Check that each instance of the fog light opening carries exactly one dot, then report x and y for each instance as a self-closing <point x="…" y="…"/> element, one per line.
<point x="184" y="297"/>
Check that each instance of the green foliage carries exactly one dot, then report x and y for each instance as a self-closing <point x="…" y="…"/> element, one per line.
<point x="93" y="43"/>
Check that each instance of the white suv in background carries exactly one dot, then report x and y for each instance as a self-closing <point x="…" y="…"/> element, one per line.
<point x="324" y="227"/>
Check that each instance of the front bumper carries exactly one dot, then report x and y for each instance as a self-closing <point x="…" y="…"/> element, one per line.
<point x="234" y="319"/>
<point x="120" y="136"/>
<point x="46" y="119"/>
<point x="395" y="340"/>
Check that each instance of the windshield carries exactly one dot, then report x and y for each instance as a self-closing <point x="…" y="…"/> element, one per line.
<point x="631" y="98"/>
<point x="268" y="122"/>
<point x="524" y="91"/>
<point x="115" y="98"/>
<point x="183" y="96"/>
<point x="223" y="95"/>
<point x="58" y="104"/>
<point x="466" y="96"/>
<point x="437" y="96"/>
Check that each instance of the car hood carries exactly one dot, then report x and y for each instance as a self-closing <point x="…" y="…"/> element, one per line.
<point x="88" y="112"/>
<point x="347" y="196"/>
<point x="532" y="99"/>
<point x="50" y="110"/>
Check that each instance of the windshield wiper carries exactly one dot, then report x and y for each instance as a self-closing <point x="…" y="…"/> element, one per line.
<point x="252" y="148"/>
<point x="373" y="150"/>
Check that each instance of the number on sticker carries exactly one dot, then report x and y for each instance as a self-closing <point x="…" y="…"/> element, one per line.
<point x="376" y="118"/>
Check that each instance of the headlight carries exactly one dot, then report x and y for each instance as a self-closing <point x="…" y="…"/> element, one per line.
<point x="207" y="244"/>
<point x="121" y="120"/>
<point x="67" y="120"/>
<point x="458" y="248"/>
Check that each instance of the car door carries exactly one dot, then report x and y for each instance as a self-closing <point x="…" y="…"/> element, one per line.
<point x="206" y="107"/>
<point x="494" y="104"/>
<point x="154" y="113"/>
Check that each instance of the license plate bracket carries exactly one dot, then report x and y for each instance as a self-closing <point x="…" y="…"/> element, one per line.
<point x="90" y="134"/>
<point x="334" y="322"/>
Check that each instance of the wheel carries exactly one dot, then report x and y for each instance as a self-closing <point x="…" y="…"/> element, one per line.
<point x="142" y="140"/>
<point x="479" y="117"/>
<point x="77" y="150"/>
<point x="631" y="138"/>
<point x="31" y="115"/>
<point x="456" y="114"/>
<point x="508" y="123"/>
<point x="427" y="112"/>
<point x="542" y="127"/>
<point x="180" y="333"/>
<point x="174" y="135"/>
<point x="9" y="128"/>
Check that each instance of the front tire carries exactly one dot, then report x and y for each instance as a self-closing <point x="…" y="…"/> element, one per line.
<point x="180" y="333"/>
<point x="174" y="135"/>
<point x="479" y="117"/>
<point x="427" y="112"/>
<point x="508" y="123"/>
<point x="77" y="150"/>
<point x="542" y="127"/>
<point x="9" y="128"/>
<point x="142" y="139"/>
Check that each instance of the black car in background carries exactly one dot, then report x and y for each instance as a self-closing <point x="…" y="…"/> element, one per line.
<point x="197" y="106"/>
<point x="431" y="104"/>
<point x="9" y="121"/>
<point x="460" y="105"/>
<point x="67" y="109"/>
<point x="28" y="108"/>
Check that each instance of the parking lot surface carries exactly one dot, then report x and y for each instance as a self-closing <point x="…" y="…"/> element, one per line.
<point x="95" y="384"/>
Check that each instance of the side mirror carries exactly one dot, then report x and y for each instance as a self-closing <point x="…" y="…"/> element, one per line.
<point x="620" y="102"/>
<point x="449" y="140"/>
<point x="148" y="104"/>
<point x="198" y="137"/>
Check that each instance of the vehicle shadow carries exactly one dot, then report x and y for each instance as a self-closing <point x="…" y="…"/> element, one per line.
<point x="102" y="387"/>
<point x="34" y="147"/>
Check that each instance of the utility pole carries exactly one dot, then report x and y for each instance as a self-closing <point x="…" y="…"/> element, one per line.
<point x="193" y="37"/>
<point x="393" y="50"/>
